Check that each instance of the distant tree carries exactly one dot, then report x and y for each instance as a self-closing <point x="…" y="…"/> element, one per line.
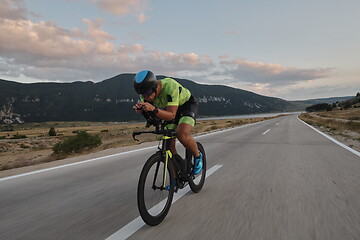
<point x="319" y="107"/>
<point x="52" y="131"/>
<point x="358" y="94"/>
<point x="347" y="104"/>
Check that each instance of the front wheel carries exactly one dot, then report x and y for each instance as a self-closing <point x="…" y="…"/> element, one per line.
<point x="197" y="182"/>
<point x="154" y="197"/>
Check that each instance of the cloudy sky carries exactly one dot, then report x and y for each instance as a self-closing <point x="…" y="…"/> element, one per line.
<point x="288" y="49"/>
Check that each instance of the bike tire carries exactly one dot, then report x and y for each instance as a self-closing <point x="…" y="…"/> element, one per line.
<point x="150" y="199"/>
<point x="196" y="184"/>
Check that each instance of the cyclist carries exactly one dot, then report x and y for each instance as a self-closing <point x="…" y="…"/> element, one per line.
<point x="171" y="102"/>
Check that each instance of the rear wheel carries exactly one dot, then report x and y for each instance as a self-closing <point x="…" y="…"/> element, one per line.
<point x="197" y="182"/>
<point x="154" y="198"/>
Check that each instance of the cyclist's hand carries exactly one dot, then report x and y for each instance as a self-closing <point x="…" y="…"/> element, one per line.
<point x="147" y="107"/>
<point x="138" y="108"/>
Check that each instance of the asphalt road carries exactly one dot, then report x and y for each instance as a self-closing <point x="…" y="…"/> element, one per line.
<point x="279" y="180"/>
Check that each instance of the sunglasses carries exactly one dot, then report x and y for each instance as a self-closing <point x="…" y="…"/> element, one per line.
<point x="147" y="93"/>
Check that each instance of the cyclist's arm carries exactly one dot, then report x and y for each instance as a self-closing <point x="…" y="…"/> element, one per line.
<point x="168" y="114"/>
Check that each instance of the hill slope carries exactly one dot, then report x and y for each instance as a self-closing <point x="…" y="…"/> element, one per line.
<point x="326" y="100"/>
<point x="112" y="100"/>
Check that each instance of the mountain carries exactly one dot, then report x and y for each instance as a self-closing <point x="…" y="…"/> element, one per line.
<point x="353" y="102"/>
<point x="112" y="100"/>
<point x="325" y="100"/>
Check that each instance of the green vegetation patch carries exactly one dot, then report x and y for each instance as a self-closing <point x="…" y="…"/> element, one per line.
<point x="81" y="141"/>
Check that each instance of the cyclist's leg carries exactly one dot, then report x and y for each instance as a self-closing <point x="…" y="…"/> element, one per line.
<point x="171" y="146"/>
<point x="184" y="134"/>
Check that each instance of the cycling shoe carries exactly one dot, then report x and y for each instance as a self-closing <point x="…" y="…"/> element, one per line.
<point x="198" y="164"/>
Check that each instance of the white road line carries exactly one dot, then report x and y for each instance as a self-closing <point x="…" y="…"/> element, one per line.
<point x="332" y="139"/>
<point x="73" y="164"/>
<point x="114" y="155"/>
<point x="276" y="124"/>
<point x="230" y="129"/>
<point x="138" y="223"/>
<point x="266" y="131"/>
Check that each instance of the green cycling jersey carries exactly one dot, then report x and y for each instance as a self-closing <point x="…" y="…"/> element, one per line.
<point x="172" y="94"/>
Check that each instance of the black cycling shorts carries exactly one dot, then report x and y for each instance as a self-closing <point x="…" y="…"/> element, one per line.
<point x="187" y="111"/>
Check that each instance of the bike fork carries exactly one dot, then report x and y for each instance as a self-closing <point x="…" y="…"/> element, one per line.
<point x="156" y="173"/>
<point x="167" y="155"/>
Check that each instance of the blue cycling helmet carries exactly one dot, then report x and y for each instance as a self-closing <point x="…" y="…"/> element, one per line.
<point x="145" y="81"/>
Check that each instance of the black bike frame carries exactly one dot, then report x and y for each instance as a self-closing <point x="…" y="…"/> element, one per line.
<point x="185" y="169"/>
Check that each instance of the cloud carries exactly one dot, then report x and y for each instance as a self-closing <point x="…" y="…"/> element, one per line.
<point x="142" y="18"/>
<point x="134" y="58"/>
<point x="9" y="69"/>
<point x="12" y="9"/>
<point x="26" y="41"/>
<point x="122" y="7"/>
<point x="321" y="89"/>
<point x="44" y="50"/>
<point x="266" y="78"/>
<point x="271" y="74"/>
<point x="47" y="52"/>
<point x="224" y="56"/>
<point x="94" y="30"/>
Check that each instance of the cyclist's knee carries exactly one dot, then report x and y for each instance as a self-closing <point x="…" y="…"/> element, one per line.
<point x="184" y="132"/>
<point x="183" y="136"/>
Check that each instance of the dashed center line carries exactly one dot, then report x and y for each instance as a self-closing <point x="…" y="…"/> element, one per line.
<point x="266" y="131"/>
<point x="138" y="223"/>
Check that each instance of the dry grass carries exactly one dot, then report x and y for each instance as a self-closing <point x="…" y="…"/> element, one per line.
<point x="36" y="148"/>
<point x="348" y="114"/>
<point x="339" y="124"/>
<point x="333" y="124"/>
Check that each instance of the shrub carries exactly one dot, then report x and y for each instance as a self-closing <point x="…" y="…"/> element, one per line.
<point x="211" y="128"/>
<point x="347" y="104"/>
<point x="18" y="136"/>
<point x="52" y="131"/>
<point x="319" y="107"/>
<point x="354" y="126"/>
<point x="82" y="140"/>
